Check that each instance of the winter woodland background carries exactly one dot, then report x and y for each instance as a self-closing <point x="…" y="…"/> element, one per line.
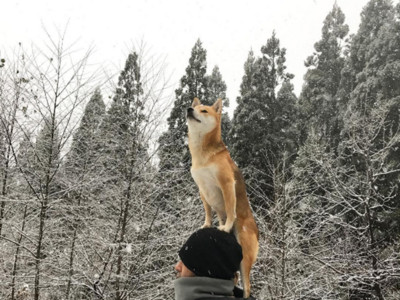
<point x="95" y="203"/>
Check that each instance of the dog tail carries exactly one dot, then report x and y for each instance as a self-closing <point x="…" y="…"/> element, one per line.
<point x="247" y="236"/>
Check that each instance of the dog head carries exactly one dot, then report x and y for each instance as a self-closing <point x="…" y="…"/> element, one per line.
<point x="202" y="118"/>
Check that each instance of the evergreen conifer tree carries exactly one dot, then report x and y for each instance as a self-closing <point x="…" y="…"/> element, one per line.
<point x="84" y="149"/>
<point x="285" y="131"/>
<point x="81" y="168"/>
<point x="373" y="67"/>
<point x="318" y="100"/>
<point x="367" y="55"/>
<point x="125" y="158"/>
<point x="174" y="152"/>
<point x="47" y="157"/>
<point x="217" y="89"/>
<point x="173" y="148"/>
<point x="238" y="125"/>
<point x="344" y="206"/>
<point x="258" y="142"/>
<point x="121" y="127"/>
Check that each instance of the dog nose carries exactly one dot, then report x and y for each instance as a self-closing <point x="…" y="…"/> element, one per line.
<point x="190" y="109"/>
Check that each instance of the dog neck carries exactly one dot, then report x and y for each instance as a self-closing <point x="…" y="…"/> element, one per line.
<point x="203" y="146"/>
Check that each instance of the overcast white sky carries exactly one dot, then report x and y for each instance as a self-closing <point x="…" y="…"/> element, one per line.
<point x="227" y="28"/>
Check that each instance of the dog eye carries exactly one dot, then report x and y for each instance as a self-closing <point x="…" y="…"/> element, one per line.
<point x="204" y="111"/>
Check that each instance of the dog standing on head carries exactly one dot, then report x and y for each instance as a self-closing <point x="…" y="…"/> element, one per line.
<point x="221" y="183"/>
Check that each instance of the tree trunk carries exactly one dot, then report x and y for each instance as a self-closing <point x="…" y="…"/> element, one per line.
<point x="9" y="131"/>
<point x="44" y="203"/>
<point x="125" y="214"/>
<point x="16" y="256"/>
<point x="370" y="222"/>
<point x="43" y="210"/>
<point x="71" y="256"/>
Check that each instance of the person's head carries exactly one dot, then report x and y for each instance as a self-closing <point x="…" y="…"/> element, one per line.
<point x="209" y="252"/>
<point x="182" y="270"/>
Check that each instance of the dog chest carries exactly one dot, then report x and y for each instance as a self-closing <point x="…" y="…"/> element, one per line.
<point x="206" y="180"/>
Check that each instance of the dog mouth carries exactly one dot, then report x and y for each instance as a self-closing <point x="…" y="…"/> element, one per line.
<point x="191" y="116"/>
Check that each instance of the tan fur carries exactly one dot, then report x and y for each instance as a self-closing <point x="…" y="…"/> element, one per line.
<point x="221" y="183"/>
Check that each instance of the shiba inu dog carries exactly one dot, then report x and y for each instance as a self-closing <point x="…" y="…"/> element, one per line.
<point x="221" y="183"/>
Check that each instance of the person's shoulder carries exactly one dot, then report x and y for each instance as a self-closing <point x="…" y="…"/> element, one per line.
<point x="238" y="292"/>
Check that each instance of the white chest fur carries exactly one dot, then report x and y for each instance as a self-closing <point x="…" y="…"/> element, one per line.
<point x="206" y="180"/>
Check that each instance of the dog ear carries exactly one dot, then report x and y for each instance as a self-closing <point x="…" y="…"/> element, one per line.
<point x="195" y="102"/>
<point x="218" y="106"/>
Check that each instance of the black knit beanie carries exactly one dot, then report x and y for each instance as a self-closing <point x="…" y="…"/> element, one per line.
<point x="210" y="252"/>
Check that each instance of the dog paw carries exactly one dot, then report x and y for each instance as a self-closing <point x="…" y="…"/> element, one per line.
<point x="205" y="225"/>
<point x="225" y="228"/>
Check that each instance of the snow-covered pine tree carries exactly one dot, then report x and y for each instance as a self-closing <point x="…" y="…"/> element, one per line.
<point x="82" y="154"/>
<point x="342" y="210"/>
<point x="239" y="127"/>
<point x="318" y="100"/>
<point x="124" y="155"/>
<point x="367" y="56"/>
<point x="375" y="63"/>
<point x="174" y="153"/>
<point x="285" y="123"/>
<point x="81" y="169"/>
<point x="347" y="196"/>
<point x="217" y="89"/>
<point x="120" y="128"/>
<point x="45" y="166"/>
<point x="390" y="93"/>
<point x="257" y="137"/>
<point x="47" y="157"/>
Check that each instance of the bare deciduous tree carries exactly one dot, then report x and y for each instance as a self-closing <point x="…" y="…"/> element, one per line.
<point x="54" y="86"/>
<point x="343" y="208"/>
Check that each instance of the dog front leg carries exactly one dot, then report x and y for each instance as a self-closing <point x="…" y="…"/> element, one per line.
<point x="221" y="218"/>
<point x="229" y="194"/>
<point x="207" y="208"/>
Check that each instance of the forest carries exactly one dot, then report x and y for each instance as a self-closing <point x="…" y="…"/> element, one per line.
<point x="96" y="195"/>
